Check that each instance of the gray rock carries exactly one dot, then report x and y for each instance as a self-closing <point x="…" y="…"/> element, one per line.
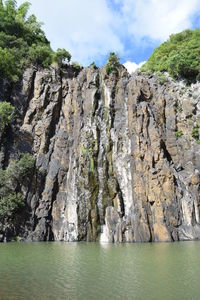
<point x="109" y="164"/>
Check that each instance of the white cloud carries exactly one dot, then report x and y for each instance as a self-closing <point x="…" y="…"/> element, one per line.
<point x="85" y="28"/>
<point x="90" y="29"/>
<point x="132" y="66"/>
<point x="157" y="19"/>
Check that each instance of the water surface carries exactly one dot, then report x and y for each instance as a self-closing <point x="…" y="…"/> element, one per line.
<point x="167" y="271"/>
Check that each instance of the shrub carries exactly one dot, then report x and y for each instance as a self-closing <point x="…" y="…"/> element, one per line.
<point x="11" y="180"/>
<point x="113" y="64"/>
<point x="22" y="168"/>
<point x="93" y="65"/>
<point x="9" y="204"/>
<point x="76" y="66"/>
<point x="6" y="114"/>
<point x="179" y="56"/>
<point x="61" y="55"/>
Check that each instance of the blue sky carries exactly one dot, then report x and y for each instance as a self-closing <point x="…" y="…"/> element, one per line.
<point x="90" y="29"/>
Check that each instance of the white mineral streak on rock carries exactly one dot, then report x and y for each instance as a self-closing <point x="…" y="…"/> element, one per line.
<point x="187" y="207"/>
<point x="107" y="96"/>
<point x="104" y="103"/>
<point x="71" y="204"/>
<point x="121" y="162"/>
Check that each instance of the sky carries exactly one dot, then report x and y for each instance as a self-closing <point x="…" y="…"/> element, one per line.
<point x="91" y="29"/>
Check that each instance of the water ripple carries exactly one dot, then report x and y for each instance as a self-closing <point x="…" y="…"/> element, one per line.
<point x="74" y="271"/>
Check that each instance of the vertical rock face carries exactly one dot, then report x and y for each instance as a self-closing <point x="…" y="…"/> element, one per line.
<point x="116" y="160"/>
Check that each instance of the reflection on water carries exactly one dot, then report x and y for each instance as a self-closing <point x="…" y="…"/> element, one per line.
<point x="92" y="271"/>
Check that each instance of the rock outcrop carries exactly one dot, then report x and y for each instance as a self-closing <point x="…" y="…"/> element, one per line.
<point x="116" y="160"/>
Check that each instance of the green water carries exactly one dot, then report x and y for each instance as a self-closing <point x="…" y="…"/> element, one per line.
<point x="92" y="271"/>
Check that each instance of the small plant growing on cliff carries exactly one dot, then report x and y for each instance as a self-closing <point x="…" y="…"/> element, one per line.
<point x="6" y="115"/>
<point x="61" y="55"/>
<point x="93" y="65"/>
<point x="76" y="66"/>
<point x="179" y="133"/>
<point x="113" y="64"/>
<point x="195" y="133"/>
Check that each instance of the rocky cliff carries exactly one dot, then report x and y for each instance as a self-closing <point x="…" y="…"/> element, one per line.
<point x="116" y="160"/>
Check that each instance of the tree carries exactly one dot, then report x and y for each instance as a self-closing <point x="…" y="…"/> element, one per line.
<point x="23" y="42"/>
<point x="113" y="64"/>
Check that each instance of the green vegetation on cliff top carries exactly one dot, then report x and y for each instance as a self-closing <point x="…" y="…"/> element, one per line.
<point x="113" y="64"/>
<point x="23" y="42"/>
<point x="179" y="56"/>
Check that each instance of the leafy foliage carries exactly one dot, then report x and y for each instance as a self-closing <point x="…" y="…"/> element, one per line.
<point x="6" y="115"/>
<point x="61" y="55"/>
<point x="76" y="66"/>
<point x="179" y="133"/>
<point x="113" y="64"/>
<point x="11" y="180"/>
<point x="40" y="55"/>
<point x="21" y="169"/>
<point x="10" y="203"/>
<point x="179" y="56"/>
<point x="22" y="41"/>
<point x="8" y="64"/>
<point x="93" y="65"/>
<point x="195" y="132"/>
